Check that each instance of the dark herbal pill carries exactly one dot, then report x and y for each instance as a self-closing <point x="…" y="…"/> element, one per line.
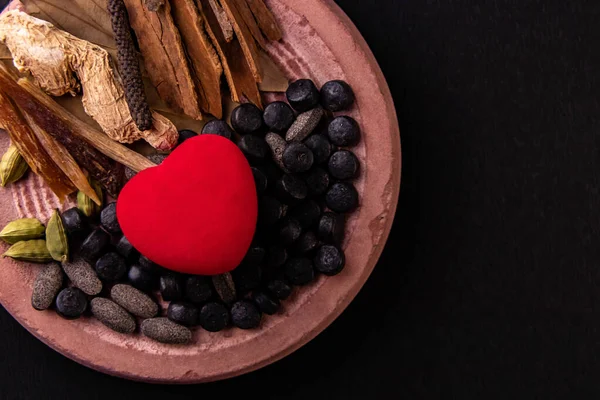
<point x="247" y="119"/>
<point x="218" y="127"/>
<point x="149" y="265"/>
<point x="343" y="165"/>
<point x="302" y="95"/>
<point x="185" y="134"/>
<point x="247" y="277"/>
<point x="142" y="278"/>
<point x="329" y="260"/>
<point x="111" y="267"/>
<point x="71" y="303"/>
<point x="225" y="287"/>
<point x="279" y="288"/>
<point x="320" y="147"/>
<point x="306" y="244"/>
<point x="342" y="197"/>
<point x="270" y="210"/>
<point x="83" y="276"/>
<point x="289" y="231"/>
<point x="255" y="255"/>
<point x="343" y="131"/>
<point x="317" y="181"/>
<point x="291" y="189"/>
<point x="266" y="303"/>
<point x="331" y="228"/>
<point x="245" y="315"/>
<point x="166" y="331"/>
<point x="278" y="116"/>
<point x="297" y="157"/>
<point x="276" y="256"/>
<point x="260" y="180"/>
<point x="108" y="219"/>
<point x="133" y="300"/>
<point x="94" y="245"/>
<point x="214" y="317"/>
<point x="307" y="213"/>
<point x="46" y="286"/>
<point x="73" y="221"/>
<point x="183" y="313"/>
<point x="126" y="249"/>
<point x="197" y="289"/>
<point x="337" y="96"/>
<point x="299" y="271"/>
<point x="171" y="287"/>
<point x="112" y="315"/>
<point x="254" y="148"/>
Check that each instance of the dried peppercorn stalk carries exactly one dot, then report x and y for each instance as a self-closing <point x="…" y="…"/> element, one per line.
<point x="56" y="59"/>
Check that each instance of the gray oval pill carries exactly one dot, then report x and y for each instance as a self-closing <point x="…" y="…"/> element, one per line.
<point x="112" y="315"/>
<point x="133" y="300"/>
<point x="304" y="125"/>
<point x="166" y="331"/>
<point x="46" y="286"/>
<point x="83" y="276"/>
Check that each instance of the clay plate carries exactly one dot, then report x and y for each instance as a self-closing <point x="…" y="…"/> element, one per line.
<point x="322" y="43"/>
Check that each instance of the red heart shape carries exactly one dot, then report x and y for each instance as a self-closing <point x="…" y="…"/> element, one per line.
<point x="196" y="212"/>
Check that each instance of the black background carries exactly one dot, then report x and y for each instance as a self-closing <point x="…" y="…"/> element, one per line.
<point x="490" y="283"/>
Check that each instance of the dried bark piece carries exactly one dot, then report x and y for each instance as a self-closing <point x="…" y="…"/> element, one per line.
<point x="154" y="5"/>
<point x="237" y="71"/>
<point x="31" y="149"/>
<point x="265" y="19"/>
<point x="164" y="57"/>
<point x="222" y="18"/>
<point x="63" y="160"/>
<point x="204" y="60"/>
<point x="55" y="59"/>
<point x="244" y="36"/>
<point x="248" y="18"/>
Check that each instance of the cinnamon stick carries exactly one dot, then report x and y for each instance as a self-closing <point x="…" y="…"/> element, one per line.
<point x="250" y="21"/>
<point x="222" y="18"/>
<point x="265" y="19"/>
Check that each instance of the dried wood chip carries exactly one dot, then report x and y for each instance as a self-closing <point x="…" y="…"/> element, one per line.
<point x="222" y="18"/>
<point x="248" y="18"/>
<point x="265" y="19"/>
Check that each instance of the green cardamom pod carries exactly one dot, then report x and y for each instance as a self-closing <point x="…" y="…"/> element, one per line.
<point x="22" y="229"/>
<point x="12" y="166"/>
<point x="56" y="238"/>
<point x="30" y="251"/>
<point x="87" y="205"/>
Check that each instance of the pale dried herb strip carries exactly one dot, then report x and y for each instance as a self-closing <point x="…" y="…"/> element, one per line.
<point x="22" y="229"/>
<point x="12" y="167"/>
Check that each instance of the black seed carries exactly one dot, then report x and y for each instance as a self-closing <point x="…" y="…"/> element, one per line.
<point x="197" y="289"/>
<point x="307" y="213"/>
<point x="278" y="116"/>
<point x="247" y="119"/>
<point x="111" y="267"/>
<point x="142" y="278"/>
<point x="185" y="134"/>
<point x="344" y="131"/>
<point x="218" y="127"/>
<point x="279" y="288"/>
<point x="342" y="197"/>
<point x="149" y="265"/>
<point x="183" y="313"/>
<point x="337" y="96"/>
<point x="276" y="256"/>
<point x="126" y="249"/>
<point x="320" y="147"/>
<point x="214" y="317"/>
<point x="289" y="231"/>
<point x="245" y="315"/>
<point x="302" y="95"/>
<point x="74" y="221"/>
<point x="297" y="157"/>
<point x="270" y="210"/>
<point x="317" y="181"/>
<point x="71" y="303"/>
<point x="255" y="255"/>
<point x="343" y="165"/>
<point x="247" y="277"/>
<point x="171" y="288"/>
<point x="291" y="189"/>
<point x="299" y="271"/>
<point x="331" y="228"/>
<point x="254" y="148"/>
<point x="260" y="180"/>
<point x="225" y="287"/>
<point x="306" y="244"/>
<point x="266" y="303"/>
<point x="94" y="245"/>
<point x="329" y="260"/>
<point x="108" y="218"/>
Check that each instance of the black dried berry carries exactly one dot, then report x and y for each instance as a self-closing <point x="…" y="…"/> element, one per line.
<point x="111" y="267"/>
<point x="185" y="134"/>
<point x="342" y="197"/>
<point x="142" y="278"/>
<point x="71" y="303"/>
<point x="343" y="165"/>
<point x="214" y="317"/>
<point x="266" y="303"/>
<point x="245" y="315"/>
<point x="260" y="180"/>
<point x="171" y="287"/>
<point x="291" y="189"/>
<point x="331" y="228"/>
<point x="289" y="231"/>
<point x="74" y="221"/>
<point x="279" y="288"/>
<point x="276" y="256"/>
<point x="303" y="95"/>
<point x="126" y="249"/>
<point x="254" y="148"/>
<point x="218" y="127"/>
<point x="343" y="131"/>
<point x="307" y="213"/>
<point x="329" y="260"/>
<point x="247" y="119"/>
<point x="183" y="313"/>
<point x="317" y="181"/>
<point x="320" y="147"/>
<point x="337" y="96"/>
<point x="306" y="244"/>
<point x="297" y="157"/>
<point x="247" y="277"/>
<point x="197" y="289"/>
<point x="299" y="271"/>
<point x="94" y="245"/>
<point x="278" y="116"/>
<point x="255" y="255"/>
<point x="108" y="219"/>
<point x="270" y="210"/>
